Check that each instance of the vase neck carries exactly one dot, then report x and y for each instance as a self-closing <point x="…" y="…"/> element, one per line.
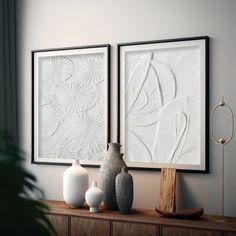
<point x="114" y="148"/>
<point x="76" y="162"/>
<point x="94" y="183"/>
<point x="124" y="169"/>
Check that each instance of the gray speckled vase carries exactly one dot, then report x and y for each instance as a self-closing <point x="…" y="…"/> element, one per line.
<point x="124" y="191"/>
<point x="110" y="168"/>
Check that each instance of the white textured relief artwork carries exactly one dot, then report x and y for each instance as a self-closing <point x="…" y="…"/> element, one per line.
<point x="162" y="105"/>
<point x="71" y="107"/>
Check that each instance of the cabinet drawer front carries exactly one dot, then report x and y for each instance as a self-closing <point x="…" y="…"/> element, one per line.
<point x="89" y="227"/>
<point x="133" y="229"/>
<point x="180" y="231"/>
<point x="60" y="224"/>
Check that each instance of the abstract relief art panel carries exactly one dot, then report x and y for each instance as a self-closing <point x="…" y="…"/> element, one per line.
<point x="164" y="103"/>
<point x="70" y="105"/>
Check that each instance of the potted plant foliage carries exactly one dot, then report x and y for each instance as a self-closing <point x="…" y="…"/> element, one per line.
<point x="20" y="214"/>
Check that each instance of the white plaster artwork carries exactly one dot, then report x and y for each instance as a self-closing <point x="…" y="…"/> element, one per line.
<point x="161" y="106"/>
<point x="71" y="106"/>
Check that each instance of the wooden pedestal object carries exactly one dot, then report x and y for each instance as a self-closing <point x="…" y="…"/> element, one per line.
<point x="80" y="222"/>
<point x="167" y="190"/>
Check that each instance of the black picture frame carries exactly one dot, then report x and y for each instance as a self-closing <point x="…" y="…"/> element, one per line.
<point x="204" y="169"/>
<point x="87" y="50"/>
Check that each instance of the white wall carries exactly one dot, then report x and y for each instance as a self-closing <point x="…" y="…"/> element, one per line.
<point x="62" y="23"/>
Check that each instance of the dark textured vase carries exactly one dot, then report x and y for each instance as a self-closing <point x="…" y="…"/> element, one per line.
<point x="124" y="191"/>
<point x="110" y="168"/>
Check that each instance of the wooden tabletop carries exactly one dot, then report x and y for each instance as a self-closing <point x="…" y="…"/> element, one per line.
<point x="143" y="216"/>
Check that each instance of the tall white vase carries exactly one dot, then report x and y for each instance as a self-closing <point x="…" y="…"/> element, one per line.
<point x="94" y="197"/>
<point x="75" y="184"/>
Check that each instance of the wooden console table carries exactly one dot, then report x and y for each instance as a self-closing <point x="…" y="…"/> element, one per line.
<point x="80" y="222"/>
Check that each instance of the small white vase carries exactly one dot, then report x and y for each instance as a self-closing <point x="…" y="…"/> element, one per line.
<point x="75" y="184"/>
<point x="94" y="197"/>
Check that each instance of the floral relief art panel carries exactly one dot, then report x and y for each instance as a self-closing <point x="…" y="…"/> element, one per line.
<point x="70" y="105"/>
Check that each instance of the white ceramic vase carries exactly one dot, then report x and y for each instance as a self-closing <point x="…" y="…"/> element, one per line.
<point x="75" y="184"/>
<point x="94" y="197"/>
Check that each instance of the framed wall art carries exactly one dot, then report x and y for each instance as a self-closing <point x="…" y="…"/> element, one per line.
<point x="70" y="105"/>
<point x="163" y="104"/>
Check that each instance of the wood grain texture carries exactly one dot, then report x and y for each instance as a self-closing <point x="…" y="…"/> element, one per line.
<point x="134" y="229"/>
<point x="230" y="234"/>
<point x="144" y="216"/>
<point x="167" y="189"/>
<point x="179" y="231"/>
<point x="89" y="227"/>
<point x="60" y="223"/>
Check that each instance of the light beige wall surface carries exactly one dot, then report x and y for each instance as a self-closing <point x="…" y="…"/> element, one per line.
<point x="65" y="23"/>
